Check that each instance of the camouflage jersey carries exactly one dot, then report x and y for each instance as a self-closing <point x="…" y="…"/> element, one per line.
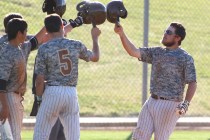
<point x="171" y="71"/>
<point x="58" y="61"/>
<point x="3" y="41"/>
<point x="13" y="62"/>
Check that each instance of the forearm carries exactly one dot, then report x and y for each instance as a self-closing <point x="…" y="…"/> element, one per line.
<point x="40" y="85"/>
<point x="95" y="50"/>
<point x="190" y="91"/>
<point x="129" y="46"/>
<point x="40" y="35"/>
<point x="67" y="29"/>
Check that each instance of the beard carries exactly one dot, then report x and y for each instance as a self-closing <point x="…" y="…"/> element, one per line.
<point x="168" y="44"/>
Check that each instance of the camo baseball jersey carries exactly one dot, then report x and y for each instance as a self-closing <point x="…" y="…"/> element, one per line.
<point x="171" y="70"/>
<point x="13" y="70"/>
<point x="3" y="41"/>
<point x="58" y="61"/>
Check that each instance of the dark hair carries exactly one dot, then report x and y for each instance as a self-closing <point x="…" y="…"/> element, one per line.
<point x="10" y="16"/>
<point x="52" y="23"/>
<point x="179" y="30"/>
<point x="14" y="26"/>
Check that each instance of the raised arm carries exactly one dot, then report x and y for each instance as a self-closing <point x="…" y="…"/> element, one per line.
<point x="95" y="32"/>
<point x="127" y="44"/>
<point x="78" y="21"/>
<point x="38" y="39"/>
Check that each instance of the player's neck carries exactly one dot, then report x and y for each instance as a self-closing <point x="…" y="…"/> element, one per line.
<point x="14" y="42"/>
<point x="56" y="35"/>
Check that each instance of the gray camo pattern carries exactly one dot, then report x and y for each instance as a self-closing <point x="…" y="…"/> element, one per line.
<point x="171" y="71"/>
<point x="47" y="61"/>
<point x="13" y="64"/>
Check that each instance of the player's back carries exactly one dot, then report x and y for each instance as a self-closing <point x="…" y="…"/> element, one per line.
<point x="60" y="59"/>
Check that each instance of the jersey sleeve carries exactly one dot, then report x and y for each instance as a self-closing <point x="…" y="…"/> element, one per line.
<point x="146" y="54"/>
<point x="26" y="46"/>
<point x="190" y="71"/>
<point x="85" y="53"/>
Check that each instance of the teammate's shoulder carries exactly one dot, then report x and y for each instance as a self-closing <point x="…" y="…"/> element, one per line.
<point x="3" y="39"/>
<point x="184" y="52"/>
<point x="75" y="41"/>
<point x="185" y="55"/>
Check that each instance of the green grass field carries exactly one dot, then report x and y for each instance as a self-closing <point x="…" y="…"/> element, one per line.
<point x="125" y="135"/>
<point x="113" y="87"/>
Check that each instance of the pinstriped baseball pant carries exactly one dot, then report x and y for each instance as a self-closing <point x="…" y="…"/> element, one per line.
<point x="158" y="117"/>
<point x="62" y="102"/>
<point x="16" y="114"/>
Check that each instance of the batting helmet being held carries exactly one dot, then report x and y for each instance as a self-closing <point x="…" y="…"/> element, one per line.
<point x="115" y="10"/>
<point x="92" y="12"/>
<point x="54" y="6"/>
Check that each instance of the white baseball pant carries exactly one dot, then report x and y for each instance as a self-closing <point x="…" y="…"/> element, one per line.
<point x="16" y="114"/>
<point x="157" y="116"/>
<point x="62" y="102"/>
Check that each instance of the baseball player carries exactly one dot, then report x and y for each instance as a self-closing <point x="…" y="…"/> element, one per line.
<point x="57" y="129"/>
<point x="5" y="128"/>
<point x="57" y="64"/>
<point x="172" y="69"/>
<point x="58" y="7"/>
<point x="13" y="60"/>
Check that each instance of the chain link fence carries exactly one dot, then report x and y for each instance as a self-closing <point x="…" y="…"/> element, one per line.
<point x="113" y="86"/>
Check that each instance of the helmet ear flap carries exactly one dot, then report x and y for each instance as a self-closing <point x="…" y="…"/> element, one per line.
<point x="123" y="14"/>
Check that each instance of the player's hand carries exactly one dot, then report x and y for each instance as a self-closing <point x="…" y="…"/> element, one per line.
<point x="95" y="32"/>
<point x="64" y="22"/>
<point x="182" y="108"/>
<point x="77" y="22"/>
<point x="118" y="29"/>
<point x="39" y="99"/>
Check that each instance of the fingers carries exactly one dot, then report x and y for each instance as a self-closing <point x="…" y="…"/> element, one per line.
<point x="118" y="28"/>
<point x="180" y="111"/>
<point x="95" y="31"/>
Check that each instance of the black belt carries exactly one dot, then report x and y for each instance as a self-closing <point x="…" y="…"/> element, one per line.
<point x="62" y="85"/>
<point x="157" y="97"/>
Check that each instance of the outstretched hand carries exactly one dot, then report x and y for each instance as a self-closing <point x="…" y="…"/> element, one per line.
<point x="118" y="29"/>
<point x="78" y="21"/>
<point x="95" y="32"/>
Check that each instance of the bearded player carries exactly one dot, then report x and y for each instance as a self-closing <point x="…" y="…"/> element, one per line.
<point x="172" y="69"/>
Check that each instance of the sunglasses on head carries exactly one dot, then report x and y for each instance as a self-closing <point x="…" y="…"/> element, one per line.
<point x="168" y="32"/>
